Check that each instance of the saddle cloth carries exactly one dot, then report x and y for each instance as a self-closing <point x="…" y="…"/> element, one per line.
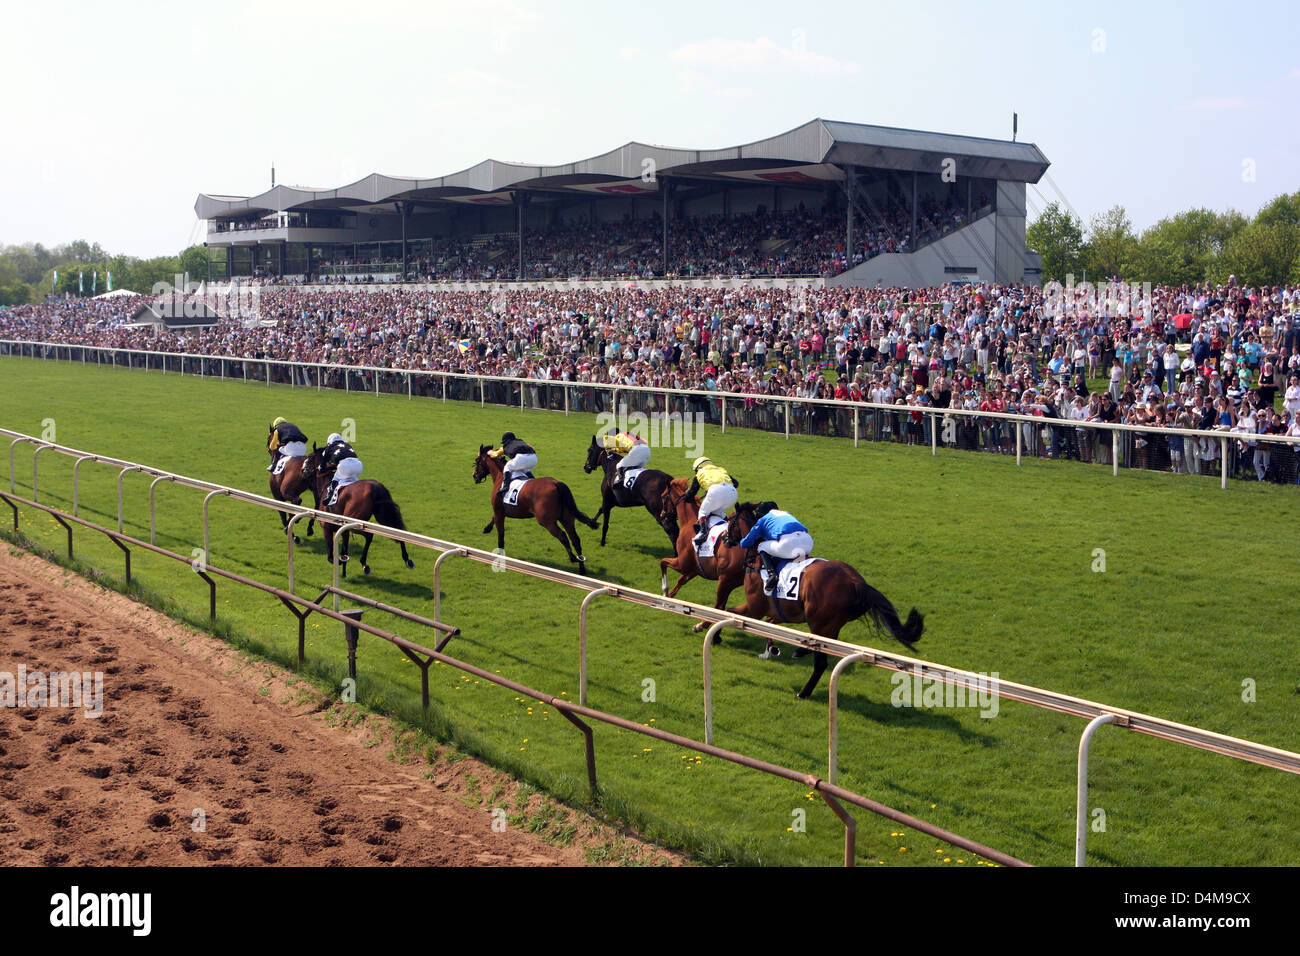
<point x="788" y="578"/>
<point x="342" y="483"/>
<point x="516" y="486"/>
<point x="717" y="526"/>
<point x="292" y="449"/>
<point x="630" y="475"/>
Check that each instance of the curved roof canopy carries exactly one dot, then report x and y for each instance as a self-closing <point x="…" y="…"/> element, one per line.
<point x="815" y="151"/>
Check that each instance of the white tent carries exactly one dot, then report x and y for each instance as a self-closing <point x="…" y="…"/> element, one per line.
<point x="116" y="294"/>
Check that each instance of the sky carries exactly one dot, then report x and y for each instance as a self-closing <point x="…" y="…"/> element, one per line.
<point x="118" y="116"/>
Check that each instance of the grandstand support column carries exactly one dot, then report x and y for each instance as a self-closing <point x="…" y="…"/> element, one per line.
<point x="521" y="198"/>
<point x="911" y="243"/>
<point x="405" y="209"/>
<point x="850" y="174"/>
<point x="663" y="192"/>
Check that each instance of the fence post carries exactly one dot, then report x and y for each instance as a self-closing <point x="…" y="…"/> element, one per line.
<point x="1020" y="441"/>
<point x="1114" y="451"/>
<point x="833" y="703"/>
<point x="1223" y="457"/>
<point x="1081" y="804"/>
<point x="582" y="641"/>
<point x="855" y="426"/>
<point x="934" y="434"/>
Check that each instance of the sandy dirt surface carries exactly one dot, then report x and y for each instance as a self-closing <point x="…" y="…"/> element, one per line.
<point x="191" y="724"/>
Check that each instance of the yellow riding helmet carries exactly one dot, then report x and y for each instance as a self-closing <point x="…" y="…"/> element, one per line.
<point x="278" y="421"/>
<point x="700" y="463"/>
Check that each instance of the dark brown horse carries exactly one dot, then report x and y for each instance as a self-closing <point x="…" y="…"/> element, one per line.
<point x="289" y="486"/>
<point x="647" y="492"/>
<point x="727" y="566"/>
<point x="831" y="594"/>
<point x="548" y="500"/>
<point x="361" y="501"/>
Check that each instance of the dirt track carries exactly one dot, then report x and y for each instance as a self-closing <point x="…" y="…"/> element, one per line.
<point x="188" y="724"/>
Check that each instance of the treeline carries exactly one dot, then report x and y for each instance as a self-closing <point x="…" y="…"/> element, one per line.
<point x="1194" y="246"/>
<point x="27" y="271"/>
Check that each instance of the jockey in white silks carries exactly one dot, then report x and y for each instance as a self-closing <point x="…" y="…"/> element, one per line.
<point x="339" y="456"/>
<point x="522" y="460"/>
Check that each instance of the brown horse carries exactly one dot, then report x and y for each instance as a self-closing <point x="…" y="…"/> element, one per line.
<point x="678" y="514"/>
<point x="289" y="486"/>
<point x="648" y="491"/>
<point x="361" y="501"/>
<point x="831" y="594"/>
<point x="548" y="500"/>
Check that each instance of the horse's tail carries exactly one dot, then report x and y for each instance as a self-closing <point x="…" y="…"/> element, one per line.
<point x="571" y="506"/>
<point x="386" y="510"/>
<point x="869" y="602"/>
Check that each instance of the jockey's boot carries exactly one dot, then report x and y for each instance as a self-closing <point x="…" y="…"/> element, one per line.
<point x="332" y="494"/>
<point x="769" y="568"/>
<point x="701" y="532"/>
<point x="271" y="466"/>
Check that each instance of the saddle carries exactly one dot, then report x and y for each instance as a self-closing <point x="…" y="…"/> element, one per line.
<point x="630" y="476"/>
<point x="789" y="575"/>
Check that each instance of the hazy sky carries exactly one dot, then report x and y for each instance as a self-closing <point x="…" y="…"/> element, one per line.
<point x="117" y="116"/>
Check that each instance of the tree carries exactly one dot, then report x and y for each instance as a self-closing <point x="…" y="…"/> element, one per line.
<point x="1056" y="235"/>
<point x="1285" y="210"/>
<point x="1109" y="251"/>
<point x="1261" y="254"/>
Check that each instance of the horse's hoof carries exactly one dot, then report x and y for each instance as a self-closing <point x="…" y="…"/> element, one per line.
<point x="699" y="627"/>
<point x="365" y="569"/>
<point x="297" y="540"/>
<point x="410" y="565"/>
<point x="717" y="639"/>
<point x="799" y="652"/>
<point x="582" y="559"/>
<point x="770" y="654"/>
<point x="801" y="696"/>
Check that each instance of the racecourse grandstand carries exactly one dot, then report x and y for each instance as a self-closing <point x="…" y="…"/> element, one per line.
<point x="844" y="202"/>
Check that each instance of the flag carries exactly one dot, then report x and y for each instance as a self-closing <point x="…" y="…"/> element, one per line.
<point x="54" y="284"/>
<point x="94" y="280"/>
<point x="110" y="282"/>
<point x="464" y="346"/>
<point x="81" y="283"/>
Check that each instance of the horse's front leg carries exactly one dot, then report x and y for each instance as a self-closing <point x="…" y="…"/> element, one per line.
<point x="606" y="505"/>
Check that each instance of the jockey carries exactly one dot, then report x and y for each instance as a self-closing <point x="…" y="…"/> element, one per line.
<point x="523" y="459"/>
<point x="779" y="536"/>
<point x="720" y="493"/>
<point x="633" y="448"/>
<point x="342" y="460"/>
<point x="284" y="439"/>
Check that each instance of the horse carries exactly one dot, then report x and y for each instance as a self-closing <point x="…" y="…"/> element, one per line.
<point x="289" y="485"/>
<point x="647" y="491"/>
<point x="361" y="501"/>
<point x="831" y="594"/>
<point x="678" y="514"/>
<point x="547" y="499"/>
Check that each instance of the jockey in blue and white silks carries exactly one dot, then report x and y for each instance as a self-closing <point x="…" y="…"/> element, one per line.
<point x="779" y="536"/>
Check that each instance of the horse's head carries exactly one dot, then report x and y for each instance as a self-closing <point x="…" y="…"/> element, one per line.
<point x="738" y="525"/>
<point x="483" y="464"/>
<point x="311" y="463"/>
<point x="593" y="456"/>
<point x="670" y="505"/>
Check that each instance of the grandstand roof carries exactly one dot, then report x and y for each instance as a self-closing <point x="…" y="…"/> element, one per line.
<point x="815" y="152"/>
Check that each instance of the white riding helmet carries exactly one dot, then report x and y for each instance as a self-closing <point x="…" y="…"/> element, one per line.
<point x="700" y="463"/>
<point x="333" y="438"/>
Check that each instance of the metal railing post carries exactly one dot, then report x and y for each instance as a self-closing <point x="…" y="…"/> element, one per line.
<point x="76" y="482"/>
<point x="338" y="552"/>
<point x="582" y="641"/>
<point x="833" y="703"/>
<point x="855" y="427"/>
<point x="289" y="534"/>
<point x="12" y="445"/>
<point x="35" y="457"/>
<point x="120" y="475"/>
<point x="437" y="582"/>
<point x="1114" y="451"/>
<point x="207" y="538"/>
<point x="934" y="433"/>
<point x="708" y="675"/>
<point x="1081" y="805"/>
<point x="1020" y="441"/>
<point x="1223" y="463"/>
<point x="153" y="523"/>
